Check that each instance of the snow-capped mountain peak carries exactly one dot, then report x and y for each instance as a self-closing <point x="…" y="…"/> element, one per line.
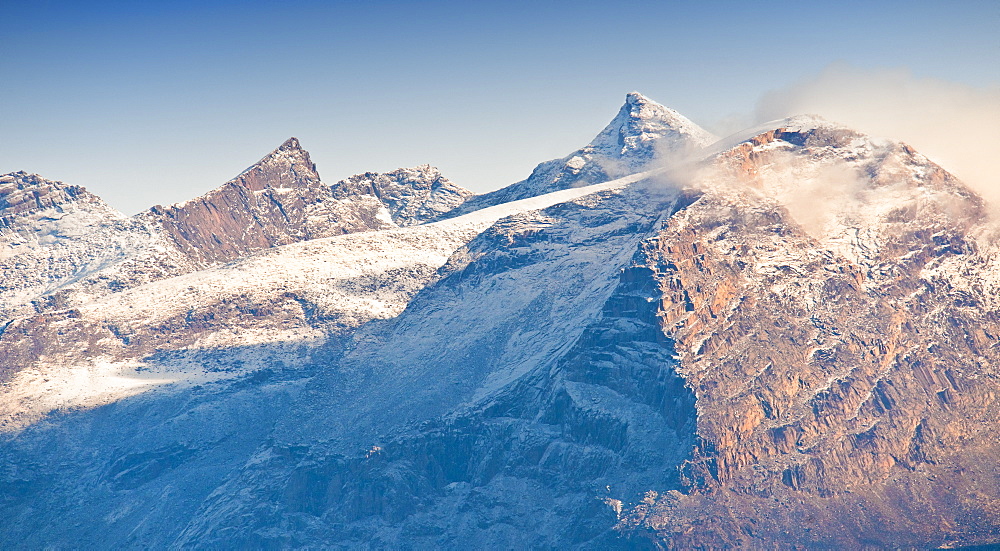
<point x="644" y="129"/>
<point x="640" y="135"/>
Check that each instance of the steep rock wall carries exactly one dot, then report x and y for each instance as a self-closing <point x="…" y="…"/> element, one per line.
<point x="277" y="201"/>
<point x="843" y="401"/>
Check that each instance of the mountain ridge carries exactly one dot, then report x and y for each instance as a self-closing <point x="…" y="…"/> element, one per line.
<point x="742" y="349"/>
<point x="278" y="200"/>
<point x="639" y="136"/>
<point x="281" y="197"/>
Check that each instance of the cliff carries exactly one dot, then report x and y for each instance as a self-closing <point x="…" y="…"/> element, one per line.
<point x="278" y="200"/>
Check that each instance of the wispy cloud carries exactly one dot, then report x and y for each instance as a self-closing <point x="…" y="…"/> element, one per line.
<point x="957" y="126"/>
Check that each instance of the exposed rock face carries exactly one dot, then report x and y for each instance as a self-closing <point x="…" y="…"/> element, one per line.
<point x="557" y="426"/>
<point x="830" y="384"/>
<point x="412" y="195"/>
<point x="795" y="345"/>
<point x="277" y="201"/>
<point x="30" y="204"/>
<point x="53" y="235"/>
<point x="642" y="135"/>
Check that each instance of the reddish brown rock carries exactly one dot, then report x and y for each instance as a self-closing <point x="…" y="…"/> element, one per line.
<point x="841" y="403"/>
<point x="277" y="201"/>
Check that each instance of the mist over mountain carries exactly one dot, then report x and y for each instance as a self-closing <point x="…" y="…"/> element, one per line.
<point x="784" y="338"/>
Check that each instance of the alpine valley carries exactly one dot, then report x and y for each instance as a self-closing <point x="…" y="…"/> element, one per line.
<point x="786" y="338"/>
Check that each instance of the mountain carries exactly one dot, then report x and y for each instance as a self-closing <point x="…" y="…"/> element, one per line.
<point x="36" y="209"/>
<point x="71" y="248"/>
<point x="784" y="339"/>
<point x="35" y="212"/>
<point x="642" y="136"/>
<point x="412" y="195"/>
<point x="278" y="200"/>
<point x="840" y="343"/>
<point x="55" y="236"/>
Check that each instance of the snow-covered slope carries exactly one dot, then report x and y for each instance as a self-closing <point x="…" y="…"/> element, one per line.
<point x="53" y="235"/>
<point x="644" y="135"/>
<point x="788" y="340"/>
<point x="302" y="292"/>
<point x="412" y="195"/>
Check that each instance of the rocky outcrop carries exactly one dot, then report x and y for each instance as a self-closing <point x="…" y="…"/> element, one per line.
<point x="841" y="398"/>
<point x="51" y="235"/>
<point x="412" y="195"/>
<point x="278" y="200"/>
<point x="32" y="204"/>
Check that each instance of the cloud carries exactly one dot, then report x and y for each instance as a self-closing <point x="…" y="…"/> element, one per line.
<point x="957" y="126"/>
<point x="821" y="200"/>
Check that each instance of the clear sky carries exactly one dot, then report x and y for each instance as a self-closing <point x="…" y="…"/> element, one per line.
<point x="158" y="102"/>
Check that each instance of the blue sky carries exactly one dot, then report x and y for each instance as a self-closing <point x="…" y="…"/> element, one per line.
<point x="147" y="103"/>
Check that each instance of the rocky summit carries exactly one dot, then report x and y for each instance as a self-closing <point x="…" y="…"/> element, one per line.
<point x="643" y="135"/>
<point x="412" y="195"/>
<point x="277" y="201"/>
<point x="787" y="338"/>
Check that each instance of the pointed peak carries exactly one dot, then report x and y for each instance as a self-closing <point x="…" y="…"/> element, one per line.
<point x="289" y="148"/>
<point x="635" y="98"/>
<point x="287" y="166"/>
<point x="290" y="144"/>
<point x="289" y="152"/>
<point x="644" y="127"/>
<point x="640" y="107"/>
